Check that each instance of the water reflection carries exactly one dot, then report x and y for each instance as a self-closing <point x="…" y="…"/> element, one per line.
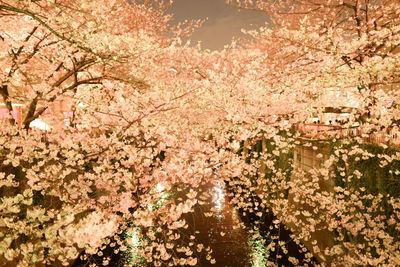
<point x="218" y="197"/>
<point x="232" y="240"/>
<point x="221" y="231"/>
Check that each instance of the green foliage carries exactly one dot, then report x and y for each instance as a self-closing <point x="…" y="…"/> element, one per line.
<point x="377" y="178"/>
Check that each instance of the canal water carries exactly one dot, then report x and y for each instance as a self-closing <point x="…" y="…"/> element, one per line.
<point x="225" y="233"/>
<point x="239" y="238"/>
<point x="236" y="239"/>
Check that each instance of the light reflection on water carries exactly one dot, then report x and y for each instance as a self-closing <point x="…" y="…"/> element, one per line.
<point x="236" y="247"/>
<point x="218" y="197"/>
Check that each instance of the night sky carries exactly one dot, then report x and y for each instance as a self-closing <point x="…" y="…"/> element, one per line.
<point x="224" y="21"/>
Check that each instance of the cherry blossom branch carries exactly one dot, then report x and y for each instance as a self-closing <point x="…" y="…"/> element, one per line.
<point x="61" y="36"/>
<point x="32" y="114"/>
<point x="6" y="99"/>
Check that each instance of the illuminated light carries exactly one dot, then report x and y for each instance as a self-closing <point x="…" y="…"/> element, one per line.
<point x="82" y="105"/>
<point x="135" y="239"/>
<point x="160" y="187"/>
<point x="173" y="70"/>
<point x="135" y="244"/>
<point x="259" y="253"/>
<point x="39" y="124"/>
<point x="163" y="196"/>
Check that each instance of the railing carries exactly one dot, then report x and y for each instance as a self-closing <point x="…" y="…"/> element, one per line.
<point x="324" y="132"/>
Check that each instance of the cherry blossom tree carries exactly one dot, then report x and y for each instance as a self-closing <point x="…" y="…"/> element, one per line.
<point x="329" y="54"/>
<point x="72" y="188"/>
<point x="135" y="115"/>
